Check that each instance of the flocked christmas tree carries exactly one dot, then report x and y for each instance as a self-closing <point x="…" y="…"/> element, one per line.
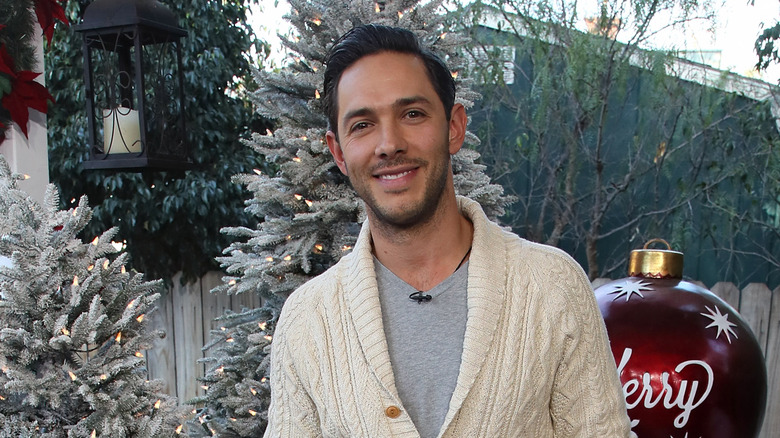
<point x="309" y="215"/>
<point x="72" y="330"/>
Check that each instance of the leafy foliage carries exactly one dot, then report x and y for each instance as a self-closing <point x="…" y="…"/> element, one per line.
<point x="18" y="28"/>
<point x="607" y="145"/>
<point x="309" y="215"/>
<point x="765" y="46"/>
<point x="72" y="328"/>
<point x="170" y="222"/>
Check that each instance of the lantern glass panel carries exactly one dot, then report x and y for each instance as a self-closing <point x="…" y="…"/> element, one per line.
<point x="136" y="97"/>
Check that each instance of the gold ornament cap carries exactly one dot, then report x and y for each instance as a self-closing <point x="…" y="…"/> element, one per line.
<point x="655" y="263"/>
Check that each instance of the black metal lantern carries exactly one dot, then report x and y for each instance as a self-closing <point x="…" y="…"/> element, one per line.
<point x="133" y="77"/>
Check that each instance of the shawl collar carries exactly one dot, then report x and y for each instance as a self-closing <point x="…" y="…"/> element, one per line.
<point x="486" y="278"/>
<point x="362" y="300"/>
<point x="486" y="289"/>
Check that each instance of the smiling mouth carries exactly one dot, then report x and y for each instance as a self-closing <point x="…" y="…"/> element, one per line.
<point x="394" y="175"/>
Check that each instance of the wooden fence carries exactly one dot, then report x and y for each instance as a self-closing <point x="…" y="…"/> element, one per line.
<point x="186" y="313"/>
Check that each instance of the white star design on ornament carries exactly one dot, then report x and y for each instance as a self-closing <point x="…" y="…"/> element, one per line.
<point x="630" y="287"/>
<point x="721" y="321"/>
<point x="686" y="435"/>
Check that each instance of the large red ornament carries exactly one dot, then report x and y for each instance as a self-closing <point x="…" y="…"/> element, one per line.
<point x="689" y="364"/>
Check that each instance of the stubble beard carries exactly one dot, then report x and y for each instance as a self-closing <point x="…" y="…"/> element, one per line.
<point x="416" y="212"/>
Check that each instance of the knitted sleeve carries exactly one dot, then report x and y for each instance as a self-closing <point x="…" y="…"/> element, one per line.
<point x="587" y="399"/>
<point x="292" y="413"/>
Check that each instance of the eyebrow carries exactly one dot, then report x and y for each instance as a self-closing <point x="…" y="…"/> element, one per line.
<point x="401" y="102"/>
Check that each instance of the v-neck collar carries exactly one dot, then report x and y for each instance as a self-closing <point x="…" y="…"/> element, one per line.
<point x="485" y="301"/>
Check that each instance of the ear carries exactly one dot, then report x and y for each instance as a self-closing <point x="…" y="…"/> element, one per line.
<point x="457" y="128"/>
<point x="335" y="150"/>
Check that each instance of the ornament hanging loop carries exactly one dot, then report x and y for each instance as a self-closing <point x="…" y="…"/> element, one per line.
<point x="657" y="240"/>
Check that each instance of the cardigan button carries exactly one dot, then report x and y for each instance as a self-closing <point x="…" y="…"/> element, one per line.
<point x="393" y="411"/>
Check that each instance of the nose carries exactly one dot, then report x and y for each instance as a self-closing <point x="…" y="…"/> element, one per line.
<point x="391" y="141"/>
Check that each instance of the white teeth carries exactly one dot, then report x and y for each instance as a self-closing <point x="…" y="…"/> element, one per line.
<point x="395" y="176"/>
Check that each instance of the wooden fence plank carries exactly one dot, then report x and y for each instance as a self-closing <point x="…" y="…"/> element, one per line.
<point x="188" y="333"/>
<point x="755" y="307"/>
<point x="771" y="427"/>
<point x="161" y="358"/>
<point x="728" y="292"/>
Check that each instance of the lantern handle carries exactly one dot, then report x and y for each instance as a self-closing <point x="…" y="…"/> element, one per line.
<point x="657" y="240"/>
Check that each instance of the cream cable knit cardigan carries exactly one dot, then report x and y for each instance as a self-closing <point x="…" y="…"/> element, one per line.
<point x="536" y="361"/>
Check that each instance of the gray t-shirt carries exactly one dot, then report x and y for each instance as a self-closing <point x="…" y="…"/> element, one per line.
<point x="425" y="341"/>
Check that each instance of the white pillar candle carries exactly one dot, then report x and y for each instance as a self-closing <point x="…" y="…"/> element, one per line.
<point x="121" y="133"/>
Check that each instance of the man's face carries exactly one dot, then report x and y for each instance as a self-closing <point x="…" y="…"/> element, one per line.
<point x="394" y="139"/>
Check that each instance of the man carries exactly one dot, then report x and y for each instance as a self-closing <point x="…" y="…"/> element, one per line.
<point x="438" y="323"/>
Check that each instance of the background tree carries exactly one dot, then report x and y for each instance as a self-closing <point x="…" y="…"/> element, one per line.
<point x="606" y="144"/>
<point x="72" y="328"/>
<point x="170" y="223"/>
<point x="309" y="215"/>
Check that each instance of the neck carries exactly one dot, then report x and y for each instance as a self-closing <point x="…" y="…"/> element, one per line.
<point x="427" y="253"/>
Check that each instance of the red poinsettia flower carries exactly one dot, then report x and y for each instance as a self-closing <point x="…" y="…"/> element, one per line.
<point x="47" y="11"/>
<point x="25" y="92"/>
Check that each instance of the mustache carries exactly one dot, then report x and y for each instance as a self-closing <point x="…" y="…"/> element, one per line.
<point x="397" y="162"/>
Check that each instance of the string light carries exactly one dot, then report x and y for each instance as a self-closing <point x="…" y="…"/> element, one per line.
<point x="139" y="354"/>
<point x="316" y="94"/>
<point x="297" y="159"/>
<point x="252" y="413"/>
<point x="90" y="267"/>
<point x="309" y="203"/>
<point x="254" y="392"/>
<point x="400" y="15"/>
<point x="94" y="433"/>
<point x="105" y="264"/>
<point x="119" y="337"/>
<point x="454" y="75"/>
<point x="287" y="258"/>
<point x="231" y="282"/>
<point x="317" y="21"/>
<point x="118" y="246"/>
<point x="443" y="35"/>
<point x="205" y="387"/>
<point x="376" y="8"/>
<point x="141" y="317"/>
<point x="269" y="259"/>
<point x="288" y="237"/>
<point x="75" y="280"/>
<point x="318" y="247"/>
<point x="131" y="304"/>
<point x="346" y="248"/>
<point x="72" y="376"/>
<point x="257" y="171"/>
<point x="178" y="429"/>
<point x="298" y="197"/>
<point x="103" y="377"/>
<point x="263" y="379"/>
<point x="2" y="398"/>
<point x="123" y="270"/>
<point x="269" y="133"/>
<point x="65" y="332"/>
<point x="157" y="404"/>
<point x="95" y="241"/>
<point x="229" y="340"/>
<point x="268" y="338"/>
<point x="26" y="176"/>
<point x="222" y="328"/>
<point x="261" y="325"/>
